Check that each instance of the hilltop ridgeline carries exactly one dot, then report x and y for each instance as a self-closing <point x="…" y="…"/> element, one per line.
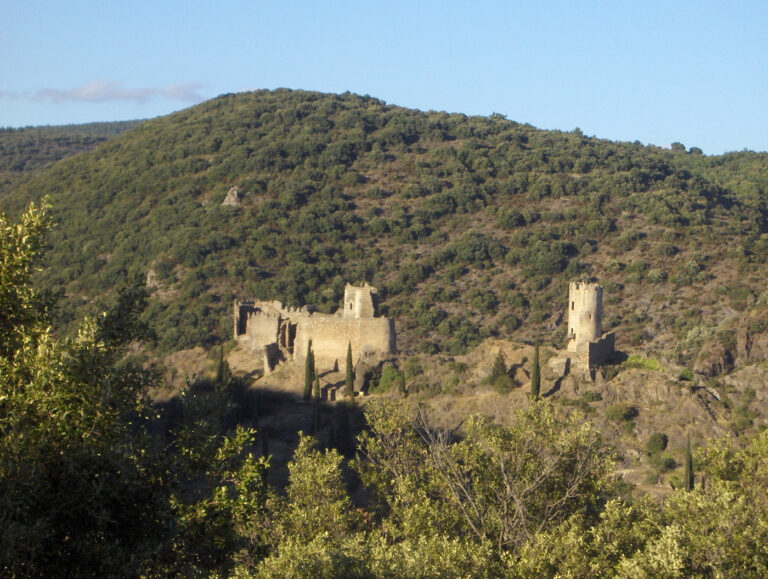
<point x="469" y="226"/>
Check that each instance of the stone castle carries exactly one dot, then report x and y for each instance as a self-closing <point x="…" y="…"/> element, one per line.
<point x="588" y="344"/>
<point x="282" y="333"/>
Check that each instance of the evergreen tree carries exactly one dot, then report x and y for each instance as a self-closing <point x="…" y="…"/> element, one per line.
<point x="309" y="371"/>
<point x="349" y="382"/>
<point x="688" y="476"/>
<point x="499" y="378"/>
<point x="317" y="386"/>
<point x="499" y="368"/>
<point x="223" y="373"/>
<point x="401" y="384"/>
<point x="535" y="375"/>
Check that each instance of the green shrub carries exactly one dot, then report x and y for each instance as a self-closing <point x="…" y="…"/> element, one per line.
<point x="642" y="362"/>
<point x="590" y="396"/>
<point x="662" y="462"/>
<point x="621" y="412"/>
<point x="657" y="442"/>
<point x="389" y="377"/>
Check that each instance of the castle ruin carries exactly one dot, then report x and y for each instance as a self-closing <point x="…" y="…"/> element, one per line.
<point x="585" y="326"/>
<point x="280" y="333"/>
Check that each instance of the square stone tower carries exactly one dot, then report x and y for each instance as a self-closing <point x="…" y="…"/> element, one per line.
<point x="359" y="301"/>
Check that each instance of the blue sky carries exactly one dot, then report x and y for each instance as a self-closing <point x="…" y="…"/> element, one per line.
<point x="656" y="72"/>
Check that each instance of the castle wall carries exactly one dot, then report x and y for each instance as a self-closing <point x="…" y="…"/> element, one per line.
<point x="601" y="350"/>
<point x="370" y="338"/>
<point x="261" y="328"/>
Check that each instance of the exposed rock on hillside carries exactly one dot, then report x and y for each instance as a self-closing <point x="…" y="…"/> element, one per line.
<point x="234" y="197"/>
<point x="713" y="359"/>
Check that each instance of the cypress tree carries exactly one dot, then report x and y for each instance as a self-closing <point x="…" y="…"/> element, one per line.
<point x="309" y="371"/>
<point x="222" y="370"/>
<point x="401" y="384"/>
<point x="535" y="375"/>
<point x="688" y="476"/>
<point x="349" y="381"/>
<point x="317" y="386"/>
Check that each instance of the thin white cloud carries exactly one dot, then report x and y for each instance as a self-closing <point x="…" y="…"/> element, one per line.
<point x="100" y="91"/>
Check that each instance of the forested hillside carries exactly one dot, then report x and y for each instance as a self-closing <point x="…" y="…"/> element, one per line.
<point x="469" y="226"/>
<point x="25" y="150"/>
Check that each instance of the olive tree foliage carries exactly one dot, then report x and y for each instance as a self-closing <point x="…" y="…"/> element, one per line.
<point x="87" y="486"/>
<point x="74" y="494"/>
<point x="497" y="484"/>
<point x="719" y="529"/>
<point x="317" y="498"/>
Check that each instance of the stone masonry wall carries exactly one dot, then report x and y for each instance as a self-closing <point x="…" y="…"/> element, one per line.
<point x="370" y="338"/>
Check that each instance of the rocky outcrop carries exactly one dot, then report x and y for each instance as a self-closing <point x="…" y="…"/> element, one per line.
<point x="750" y="348"/>
<point x="234" y="196"/>
<point x="713" y="359"/>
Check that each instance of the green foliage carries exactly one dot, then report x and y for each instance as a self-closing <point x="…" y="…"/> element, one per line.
<point x="548" y="458"/>
<point x="499" y="378"/>
<point x="621" y="412"/>
<point x="642" y="362"/>
<point x="412" y="367"/>
<point x="389" y="378"/>
<point x="656" y="443"/>
<point x="589" y="396"/>
<point x="317" y="502"/>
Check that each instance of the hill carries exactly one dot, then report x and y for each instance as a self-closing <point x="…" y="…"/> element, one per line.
<point x="25" y="150"/>
<point x="469" y="226"/>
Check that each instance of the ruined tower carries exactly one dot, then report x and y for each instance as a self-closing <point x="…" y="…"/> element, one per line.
<point x="585" y="313"/>
<point x="585" y="326"/>
<point x="359" y="301"/>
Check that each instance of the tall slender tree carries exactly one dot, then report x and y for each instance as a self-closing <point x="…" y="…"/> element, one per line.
<point x="309" y="371"/>
<point x="316" y="386"/>
<point x="535" y="375"/>
<point x="401" y="384"/>
<point x="223" y="373"/>
<point x="688" y="475"/>
<point x="349" y="381"/>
